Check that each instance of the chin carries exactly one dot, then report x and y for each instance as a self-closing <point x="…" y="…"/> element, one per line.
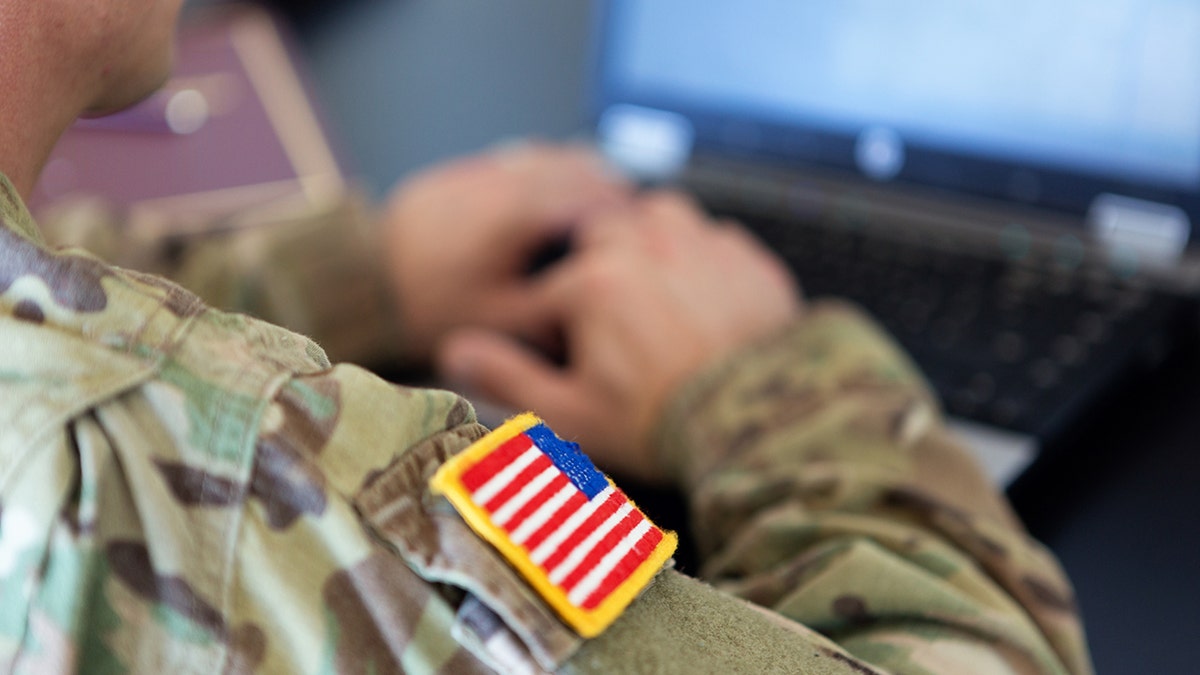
<point x="129" y="92"/>
<point x="106" y="108"/>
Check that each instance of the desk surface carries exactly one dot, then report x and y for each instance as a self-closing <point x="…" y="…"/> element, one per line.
<point x="407" y="83"/>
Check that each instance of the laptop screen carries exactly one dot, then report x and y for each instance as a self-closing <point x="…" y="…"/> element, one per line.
<point x="1050" y="103"/>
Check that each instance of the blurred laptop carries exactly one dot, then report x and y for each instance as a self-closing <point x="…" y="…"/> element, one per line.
<point x="1009" y="186"/>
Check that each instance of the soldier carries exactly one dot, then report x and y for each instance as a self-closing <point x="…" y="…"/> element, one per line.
<point x="188" y="490"/>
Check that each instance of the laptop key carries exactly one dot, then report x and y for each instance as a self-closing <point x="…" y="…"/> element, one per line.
<point x="1002" y="342"/>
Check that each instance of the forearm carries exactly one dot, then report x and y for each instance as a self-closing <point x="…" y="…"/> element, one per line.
<point x="830" y="491"/>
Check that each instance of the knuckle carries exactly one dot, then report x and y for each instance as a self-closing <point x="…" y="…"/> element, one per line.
<point x="600" y="275"/>
<point x="670" y="201"/>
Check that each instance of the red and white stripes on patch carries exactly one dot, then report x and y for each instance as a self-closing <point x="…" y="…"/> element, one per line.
<point x="587" y="546"/>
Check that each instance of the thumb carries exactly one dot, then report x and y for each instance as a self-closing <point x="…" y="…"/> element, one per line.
<point x="505" y="371"/>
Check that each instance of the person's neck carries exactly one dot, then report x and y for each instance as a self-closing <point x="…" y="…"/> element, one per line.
<point x="36" y="107"/>
<point x="28" y="132"/>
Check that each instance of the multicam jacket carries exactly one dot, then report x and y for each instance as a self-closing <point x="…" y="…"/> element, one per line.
<point x="184" y="490"/>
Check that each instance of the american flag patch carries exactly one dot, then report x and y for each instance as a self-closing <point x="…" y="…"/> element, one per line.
<point x="573" y="535"/>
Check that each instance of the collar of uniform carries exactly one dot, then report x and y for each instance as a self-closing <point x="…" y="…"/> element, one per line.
<point x="14" y="214"/>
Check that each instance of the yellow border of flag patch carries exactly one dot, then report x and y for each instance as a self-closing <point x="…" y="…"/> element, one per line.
<point x="588" y="623"/>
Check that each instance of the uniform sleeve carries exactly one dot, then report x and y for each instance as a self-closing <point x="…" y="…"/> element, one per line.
<point x="843" y="532"/>
<point x="829" y="491"/>
<point x="347" y="562"/>
<point x="322" y="590"/>
<point x="315" y="270"/>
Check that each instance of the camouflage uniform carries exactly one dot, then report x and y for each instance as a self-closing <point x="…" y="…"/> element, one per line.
<point x="186" y="490"/>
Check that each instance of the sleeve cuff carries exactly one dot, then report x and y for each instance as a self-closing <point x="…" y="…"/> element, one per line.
<point x="779" y="385"/>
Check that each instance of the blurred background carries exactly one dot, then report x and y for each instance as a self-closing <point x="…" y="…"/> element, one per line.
<point x="407" y="83"/>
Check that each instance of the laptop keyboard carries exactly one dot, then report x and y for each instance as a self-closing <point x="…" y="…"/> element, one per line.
<point x="1015" y="345"/>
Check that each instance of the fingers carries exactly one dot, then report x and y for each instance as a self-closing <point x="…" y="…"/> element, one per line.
<point x="560" y="183"/>
<point x="525" y="312"/>
<point x="653" y="292"/>
<point x="589" y="279"/>
<point x="653" y="220"/>
<point x="672" y="209"/>
<point x="540" y="196"/>
<point x="506" y="372"/>
<point x="512" y="194"/>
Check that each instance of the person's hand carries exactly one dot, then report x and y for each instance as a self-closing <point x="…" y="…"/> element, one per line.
<point x="458" y="238"/>
<point x="652" y="294"/>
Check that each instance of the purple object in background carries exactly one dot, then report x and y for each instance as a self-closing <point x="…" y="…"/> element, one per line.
<point x="234" y="128"/>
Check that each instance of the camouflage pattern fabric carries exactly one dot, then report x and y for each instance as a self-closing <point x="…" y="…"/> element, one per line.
<point x="184" y="490"/>
<point x="831" y="492"/>
<point x="313" y="270"/>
